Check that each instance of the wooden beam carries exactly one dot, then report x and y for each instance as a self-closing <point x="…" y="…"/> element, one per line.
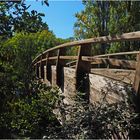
<point x="117" y="54"/>
<point x="37" y="70"/>
<point x="136" y="84"/>
<point x="97" y="56"/>
<point x="45" y="73"/>
<point x="82" y="70"/>
<point x="127" y="64"/>
<point x="137" y="77"/>
<point x="105" y="39"/>
<point x="71" y="63"/>
<point x="48" y="68"/>
<point x="59" y="68"/>
<point x="40" y="64"/>
<point x="55" y="58"/>
<point x="63" y="57"/>
<point x="137" y="57"/>
<point x="42" y="69"/>
<point x="122" y="75"/>
<point x="74" y="66"/>
<point x="44" y="60"/>
<point x="68" y="57"/>
<point x="52" y="58"/>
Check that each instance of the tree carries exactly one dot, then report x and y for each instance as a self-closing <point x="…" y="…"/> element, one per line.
<point x="15" y="18"/>
<point x="23" y="35"/>
<point x="101" y="18"/>
<point x="22" y="49"/>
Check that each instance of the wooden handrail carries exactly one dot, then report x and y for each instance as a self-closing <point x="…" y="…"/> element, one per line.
<point x="117" y="54"/>
<point x="55" y="58"/>
<point x="131" y="64"/>
<point x="96" y="56"/>
<point x="83" y="61"/>
<point x="105" y="39"/>
<point x="71" y="63"/>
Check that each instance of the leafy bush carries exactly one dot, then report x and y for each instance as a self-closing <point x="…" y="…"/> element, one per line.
<point x="30" y="116"/>
<point x="98" y="121"/>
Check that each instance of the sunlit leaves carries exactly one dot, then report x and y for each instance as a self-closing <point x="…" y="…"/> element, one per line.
<point x="15" y="17"/>
<point x="101" y="18"/>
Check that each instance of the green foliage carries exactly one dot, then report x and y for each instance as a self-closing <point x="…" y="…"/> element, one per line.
<point x="23" y="36"/>
<point x="18" y="52"/>
<point x="16" y="18"/>
<point x="30" y="116"/>
<point x="101" y="18"/>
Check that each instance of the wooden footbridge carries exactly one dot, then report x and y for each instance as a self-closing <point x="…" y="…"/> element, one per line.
<point x="54" y="66"/>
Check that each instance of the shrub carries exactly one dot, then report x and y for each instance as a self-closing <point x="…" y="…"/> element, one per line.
<point x="99" y="121"/>
<point x="31" y="116"/>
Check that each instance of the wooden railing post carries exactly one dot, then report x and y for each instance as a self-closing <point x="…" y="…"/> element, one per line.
<point x="137" y="57"/>
<point x="48" y="69"/>
<point x="40" y="68"/>
<point x="82" y="70"/>
<point x="37" y="70"/>
<point x="45" y="73"/>
<point x="59" y="68"/>
<point x="136" y="84"/>
<point x="137" y="76"/>
<point x="108" y="64"/>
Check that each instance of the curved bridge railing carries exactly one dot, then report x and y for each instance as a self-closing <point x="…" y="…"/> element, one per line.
<point x="83" y="62"/>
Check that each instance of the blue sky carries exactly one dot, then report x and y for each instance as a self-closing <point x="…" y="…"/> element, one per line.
<point x="59" y="15"/>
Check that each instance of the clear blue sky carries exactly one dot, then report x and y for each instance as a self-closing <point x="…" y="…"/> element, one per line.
<point x="59" y="15"/>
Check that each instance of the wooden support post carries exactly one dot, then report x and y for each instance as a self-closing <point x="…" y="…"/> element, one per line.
<point x="45" y="70"/>
<point x="59" y="68"/>
<point x="42" y="67"/>
<point x="48" y="68"/>
<point x="40" y="70"/>
<point x="137" y="76"/>
<point x="137" y="57"/>
<point x="82" y="70"/>
<point x="136" y="84"/>
<point x="37" y="70"/>
<point x="108" y="64"/>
